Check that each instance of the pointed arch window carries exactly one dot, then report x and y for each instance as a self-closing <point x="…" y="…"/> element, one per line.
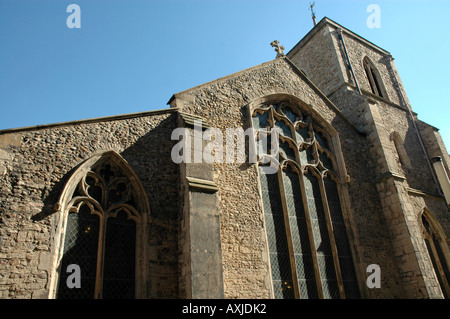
<point x="309" y="250"/>
<point x="103" y="208"/>
<point x="373" y="77"/>
<point x="437" y="247"/>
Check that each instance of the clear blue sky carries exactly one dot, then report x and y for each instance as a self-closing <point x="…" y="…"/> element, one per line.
<point x="132" y="55"/>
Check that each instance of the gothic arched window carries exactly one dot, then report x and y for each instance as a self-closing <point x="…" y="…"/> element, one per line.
<point x="309" y="251"/>
<point x="373" y="77"/>
<point x="437" y="247"/>
<point x="103" y="206"/>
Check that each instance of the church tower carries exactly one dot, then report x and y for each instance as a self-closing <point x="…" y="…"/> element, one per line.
<point x="361" y="79"/>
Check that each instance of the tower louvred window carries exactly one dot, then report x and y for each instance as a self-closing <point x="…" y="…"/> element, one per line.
<point x="373" y="78"/>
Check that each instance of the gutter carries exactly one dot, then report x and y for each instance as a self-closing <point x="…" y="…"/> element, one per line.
<point x="339" y="32"/>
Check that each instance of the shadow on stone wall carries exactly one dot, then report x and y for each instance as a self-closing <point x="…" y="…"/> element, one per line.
<point x="418" y="175"/>
<point x="150" y="158"/>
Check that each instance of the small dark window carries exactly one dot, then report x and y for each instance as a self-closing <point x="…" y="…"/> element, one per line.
<point x="374" y="81"/>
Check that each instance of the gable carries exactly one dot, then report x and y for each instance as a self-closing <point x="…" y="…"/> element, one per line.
<point x="225" y="96"/>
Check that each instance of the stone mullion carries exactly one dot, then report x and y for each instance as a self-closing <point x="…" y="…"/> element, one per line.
<point x="101" y="240"/>
<point x="288" y="234"/>
<point x="101" y="235"/>
<point x="100" y="257"/>
<point x="331" y="238"/>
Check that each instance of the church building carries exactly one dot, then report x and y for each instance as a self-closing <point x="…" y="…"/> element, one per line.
<point x="349" y="198"/>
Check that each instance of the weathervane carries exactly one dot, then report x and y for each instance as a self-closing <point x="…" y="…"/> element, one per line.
<point x="311" y="7"/>
<point x="278" y="48"/>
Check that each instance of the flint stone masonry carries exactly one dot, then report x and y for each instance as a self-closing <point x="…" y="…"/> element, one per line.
<point x="223" y="103"/>
<point x="400" y="184"/>
<point x="38" y="167"/>
<point x="205" y="233"/>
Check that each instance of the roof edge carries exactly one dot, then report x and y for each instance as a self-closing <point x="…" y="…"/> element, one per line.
<point x="295" y="69"/>
<point x="328" y="21"/>
<point x="91" y="120"/>
<point x="219" y="79"/>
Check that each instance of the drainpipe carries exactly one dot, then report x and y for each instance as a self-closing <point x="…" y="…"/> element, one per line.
<point x="339" y="32"/>
<point x="416" y="128"/>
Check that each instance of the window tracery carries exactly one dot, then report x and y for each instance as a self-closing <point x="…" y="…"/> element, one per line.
<point x="308" y="246"/>
<point x="103" y="219"/>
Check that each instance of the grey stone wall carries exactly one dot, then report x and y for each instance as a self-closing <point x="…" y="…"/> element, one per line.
<point x="326" y="61"/>
<point x="245" y="265"/>
<point x="401" y="172"/>
<point x="35" y="164"/>
<point x="383" y="198"/>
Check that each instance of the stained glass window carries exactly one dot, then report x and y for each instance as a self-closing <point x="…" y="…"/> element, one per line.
<point x="100" y="236"/>
<point x="304" y="222"/>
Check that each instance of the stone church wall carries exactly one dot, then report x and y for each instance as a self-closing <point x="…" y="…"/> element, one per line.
<point x="222" y="103"/>
<point x="404" y="180"/>
<point x="35" y="163"/>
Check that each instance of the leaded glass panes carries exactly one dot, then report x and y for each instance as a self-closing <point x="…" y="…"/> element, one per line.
<point x="326" y="161"/>
<point x="307" y="207"/>
<point x="299" y="231"/>
<point x="276" y="236"/>
<point x="306" y="154"/>
<point x="340" y="237"/>
<point x="321" y="139"/>
<point x="101" y="236"/>
<point x="283" y="128"/>
<point x="302" y="133"/>
<point x="321" y="237"/>
<point x="260" y="120"/>
<point x="290" y="114"/>
<point x="286" y="150"/>
<point x="118" y="277"/>
<point x="81" y="247"/>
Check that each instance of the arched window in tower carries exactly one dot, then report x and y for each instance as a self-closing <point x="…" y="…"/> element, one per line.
<point x="103" y="209"/>
<point x="310" y="255"/>
<point x="437" y="247"/>
<point x="374" y="79"/>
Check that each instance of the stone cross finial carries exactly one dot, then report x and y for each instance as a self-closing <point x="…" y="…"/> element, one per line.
<point x="311" y="7"/>
<point x="278" y="48"/>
